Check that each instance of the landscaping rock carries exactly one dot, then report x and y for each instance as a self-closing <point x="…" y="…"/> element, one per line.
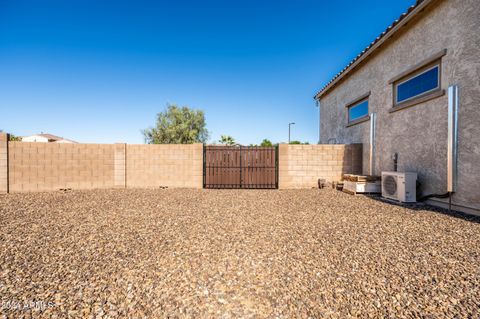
<point x="233" y="253"/>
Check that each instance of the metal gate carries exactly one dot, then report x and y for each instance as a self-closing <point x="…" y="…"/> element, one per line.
<point x="240" y="167"/>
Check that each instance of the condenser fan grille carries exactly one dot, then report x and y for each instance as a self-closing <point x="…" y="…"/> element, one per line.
<point x="390" y="185"/>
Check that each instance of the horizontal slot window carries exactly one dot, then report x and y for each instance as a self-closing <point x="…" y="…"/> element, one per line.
<point x="418" y="85"/>
<point x="358" y="111"/>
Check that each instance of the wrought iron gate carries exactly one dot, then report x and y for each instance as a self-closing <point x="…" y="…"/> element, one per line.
<point x="240" y="167"/>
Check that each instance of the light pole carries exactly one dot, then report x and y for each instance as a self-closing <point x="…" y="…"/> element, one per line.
<point x="289" y="125"/>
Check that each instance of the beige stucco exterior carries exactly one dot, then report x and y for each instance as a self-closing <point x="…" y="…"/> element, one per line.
<point x="419" y="133"/>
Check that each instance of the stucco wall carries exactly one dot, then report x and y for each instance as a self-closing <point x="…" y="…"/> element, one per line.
<point x="419" y="134"/>
<point x="300" y="166"/>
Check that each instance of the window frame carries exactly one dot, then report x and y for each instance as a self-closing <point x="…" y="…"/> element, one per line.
<point x="413" y="76"/>
<point x="413" y="72"/>
<point x="355" y="102"/>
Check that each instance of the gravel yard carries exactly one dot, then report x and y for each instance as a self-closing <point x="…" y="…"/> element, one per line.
<point x="233" y="253"/>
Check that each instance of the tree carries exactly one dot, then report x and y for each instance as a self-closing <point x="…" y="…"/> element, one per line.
<point x="298" y="142"/>
<point x="266" y="143"/>
<point x="178" y="125"/>
<point x="13" y="138"/>
<point x="226" y="140"/>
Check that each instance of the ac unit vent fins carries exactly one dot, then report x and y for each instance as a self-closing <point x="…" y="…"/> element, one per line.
<point x="390" y="185"/>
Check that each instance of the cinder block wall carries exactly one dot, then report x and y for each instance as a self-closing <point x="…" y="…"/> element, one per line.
<point x="29" y="167"/>
<point x="172" y="165"/>
<point x="51" y="166"/>
<point x="3" y="163"/>
<point x="300" y="166"/>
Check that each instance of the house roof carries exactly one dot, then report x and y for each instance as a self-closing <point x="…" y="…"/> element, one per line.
<point x="54" y="137"/>
<point x="50" y="136"/>
<point x="385" y="35"/>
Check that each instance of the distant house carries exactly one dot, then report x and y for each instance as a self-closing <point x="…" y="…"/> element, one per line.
<point x="46" y="138"/>
<point x="397" y="95"/>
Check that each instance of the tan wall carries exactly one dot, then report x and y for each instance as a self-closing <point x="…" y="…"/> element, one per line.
<point x="419" y="134"/>
<point x="300" y="166"/>
<point x="51" y="166"/>
<point x="3" y="163"/>
<point x="172" y="165"/>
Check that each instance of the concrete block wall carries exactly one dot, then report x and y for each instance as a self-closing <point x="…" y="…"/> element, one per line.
<point x="300" y="166"/>
<point x="172" y="165"/>
<point x="29" y="167"/>
<point x="120" y="165"/>
<point x="51" y="166"/>
<point x="3" y="163"/>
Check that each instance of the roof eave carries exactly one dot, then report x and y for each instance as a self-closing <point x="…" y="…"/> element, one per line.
<point x="392" y="29"/>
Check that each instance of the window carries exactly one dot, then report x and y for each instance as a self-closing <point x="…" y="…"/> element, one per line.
<point x="420" y="84"/>
<point x="358" y="111"/>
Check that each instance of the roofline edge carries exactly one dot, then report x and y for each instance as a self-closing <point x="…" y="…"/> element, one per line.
<point x="381" y="39"/>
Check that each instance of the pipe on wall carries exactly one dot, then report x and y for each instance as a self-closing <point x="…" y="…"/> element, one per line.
<point x="373" y="117"/>
<point x="452" y="147"/>
<point x="317" y="103"/>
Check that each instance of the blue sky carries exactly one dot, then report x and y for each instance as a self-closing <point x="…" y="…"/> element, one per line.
<point x="100" y="71"/>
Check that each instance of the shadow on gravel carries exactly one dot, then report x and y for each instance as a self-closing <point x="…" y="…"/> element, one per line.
<point x="427" y="207"/>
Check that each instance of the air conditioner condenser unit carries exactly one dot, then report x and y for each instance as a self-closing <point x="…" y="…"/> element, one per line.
<point x="399" y="186"/>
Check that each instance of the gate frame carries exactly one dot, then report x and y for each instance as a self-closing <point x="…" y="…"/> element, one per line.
<point x="241" y="180"/>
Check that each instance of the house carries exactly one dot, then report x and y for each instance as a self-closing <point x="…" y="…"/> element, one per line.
<point x="46" y="138"/>
<point x="399" y="89"/>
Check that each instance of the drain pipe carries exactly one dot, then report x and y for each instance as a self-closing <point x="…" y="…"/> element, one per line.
<point x="373" y="117"/>
<point x="317" y="103"/>
<point x="452" y="147"/>
<point x="395" y="161"/>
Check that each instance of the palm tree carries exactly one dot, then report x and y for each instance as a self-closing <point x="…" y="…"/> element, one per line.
<point x="226" y="140"/>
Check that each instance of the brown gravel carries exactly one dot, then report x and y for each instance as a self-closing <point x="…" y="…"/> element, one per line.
<point x="252" y="253"/>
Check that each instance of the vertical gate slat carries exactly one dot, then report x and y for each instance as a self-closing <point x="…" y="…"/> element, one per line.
<point x="264" y="164"/>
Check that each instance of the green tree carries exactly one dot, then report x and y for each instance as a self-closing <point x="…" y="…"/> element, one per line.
<point x="178" y="125"/>
<point x="298" y="142"/>
<point x="13" y="138"/>
<point x="226" y="140"/>
<point x="266" y="143"/>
